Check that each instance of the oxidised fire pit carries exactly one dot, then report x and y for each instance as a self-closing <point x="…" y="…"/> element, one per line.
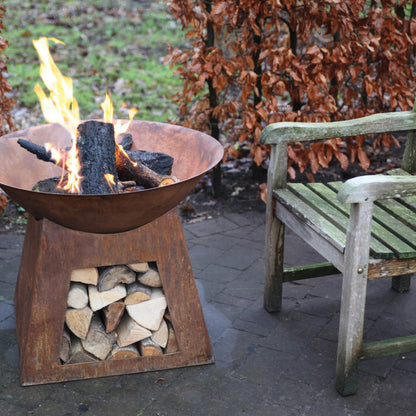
<point x="194" y="154"/>
<point x="68" y="233"/>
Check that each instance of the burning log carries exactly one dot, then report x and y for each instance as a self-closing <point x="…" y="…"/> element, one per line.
<point x="160" y="163"/>
<point x="103" y="162"/>
<point x="52" y="185"/>
<point x="139" y="172"/>
<point x="125" y="140"/>
<point x="97" y="155"/>
<point x="41" y="152"/>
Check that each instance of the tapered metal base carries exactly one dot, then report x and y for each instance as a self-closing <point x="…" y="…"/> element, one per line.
<point x="51" y="252"/>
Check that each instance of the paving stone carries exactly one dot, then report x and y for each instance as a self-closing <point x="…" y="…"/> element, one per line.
<point x="234" y="345"/>
<point x="266" y="364"/>
<point x="214" y="226"/>
<point x="239" y="256"/>
<point x="202" y="256"/>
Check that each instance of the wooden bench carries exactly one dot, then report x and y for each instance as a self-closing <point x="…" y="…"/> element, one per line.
<point x="365" y="228"/>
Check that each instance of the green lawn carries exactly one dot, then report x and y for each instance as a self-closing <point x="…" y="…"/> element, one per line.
<point x="109" y="46"/>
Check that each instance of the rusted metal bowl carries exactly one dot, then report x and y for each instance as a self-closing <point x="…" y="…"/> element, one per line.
<point x="194" y="154"/>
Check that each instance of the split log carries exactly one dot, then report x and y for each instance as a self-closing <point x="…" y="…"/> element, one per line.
<point x="77" y="296"/>
<point x="88" y="275"/>
<point x="120" y="353"/>
<point x="172" y="344"/>
<point x="65" y="347"/>
<point x="141" y="174"/>
<point x="148" y="348"/>
<point x="112" y="315"/>
<point x="112" y="276"/>
<point x="150" y="278"/>
<point x="99" y="300"/>
<point x="160" y="337"/>
<point x="149" y="314"/>
<point x="139" y="267"/>
<point x="78" y="354"/>
<point x="78" y="321"/>
<point x="97" y="342"/>
<point x="130" y="332"/>
<point x="96" y="149"/>
<point x="136" y="293"/>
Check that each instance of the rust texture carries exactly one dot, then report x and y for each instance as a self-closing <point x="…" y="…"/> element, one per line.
<point x="194" y="154"/>
<point x="51" y="252"/>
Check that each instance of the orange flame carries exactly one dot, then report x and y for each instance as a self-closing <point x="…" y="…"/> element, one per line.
<point x="110" y="180"/>
<point x="60" y="107"/>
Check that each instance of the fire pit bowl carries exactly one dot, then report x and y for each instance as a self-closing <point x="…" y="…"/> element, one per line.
<point x="194" y="154"/>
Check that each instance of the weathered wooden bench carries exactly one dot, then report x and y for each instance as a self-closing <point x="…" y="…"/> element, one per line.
<point x="365" y="228"/>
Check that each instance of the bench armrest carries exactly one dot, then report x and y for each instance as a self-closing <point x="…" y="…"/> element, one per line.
<point x="372" y="187"/>
<point x="287" y="132"/>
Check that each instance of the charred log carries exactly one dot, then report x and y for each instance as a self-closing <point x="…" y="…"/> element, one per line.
<point x="51" y="185"/>
<point x="140" y="173"/>
<point x="125" y="140"/>
<point x="96" y="148"/>
<point x="38" y="150"/>
<point x="160" y="163"/>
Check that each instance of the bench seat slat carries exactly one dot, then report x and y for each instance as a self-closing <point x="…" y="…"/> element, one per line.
<point x="378" y="247"/>
<point x="399" y="229"/>
<point x="316" y="205"/>
<point x="311" y="218"/>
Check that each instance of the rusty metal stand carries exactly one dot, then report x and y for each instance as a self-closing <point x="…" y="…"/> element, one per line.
<point x="51" y="252"/>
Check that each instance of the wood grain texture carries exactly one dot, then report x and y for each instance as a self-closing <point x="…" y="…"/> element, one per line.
<point x="286" y="132"/>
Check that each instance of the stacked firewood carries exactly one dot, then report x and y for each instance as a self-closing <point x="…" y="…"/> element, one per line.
<point x="116" y="312"/>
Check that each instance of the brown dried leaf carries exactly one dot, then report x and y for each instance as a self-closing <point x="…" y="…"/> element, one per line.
<point x="258" y="155"/>
<point x="363" y="158"/>
<point x="3" y="202"/>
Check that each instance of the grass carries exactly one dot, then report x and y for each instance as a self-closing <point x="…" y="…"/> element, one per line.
<point x="109" y="46"/>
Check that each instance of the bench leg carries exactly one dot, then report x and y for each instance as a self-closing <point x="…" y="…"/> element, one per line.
<point x="275" y="236"/>
<point x="354" y="285"/>
<point x="401" y="284"/>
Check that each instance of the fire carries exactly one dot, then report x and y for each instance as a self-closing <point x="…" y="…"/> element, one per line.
<point x="62" y="107"/>
<point x="110" y="180"/>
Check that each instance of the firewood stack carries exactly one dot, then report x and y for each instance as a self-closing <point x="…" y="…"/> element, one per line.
<point x="116" y="312"/>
